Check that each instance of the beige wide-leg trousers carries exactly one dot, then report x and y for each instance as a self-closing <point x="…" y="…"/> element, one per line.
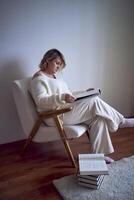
<point x="101" y="119"/>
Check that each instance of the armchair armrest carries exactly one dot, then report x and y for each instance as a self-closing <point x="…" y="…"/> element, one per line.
<point x="53" y="113"/>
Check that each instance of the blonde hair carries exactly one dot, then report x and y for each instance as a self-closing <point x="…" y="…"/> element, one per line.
<point x="49" y="56"/>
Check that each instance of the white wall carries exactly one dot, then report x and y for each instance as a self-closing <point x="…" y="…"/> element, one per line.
<point x="96" y="37"/>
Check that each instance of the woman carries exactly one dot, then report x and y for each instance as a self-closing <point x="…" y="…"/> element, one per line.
<point x="51" y="93"/>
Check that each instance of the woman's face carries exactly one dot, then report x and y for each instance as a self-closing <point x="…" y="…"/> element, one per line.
<point x="54" y="66"/>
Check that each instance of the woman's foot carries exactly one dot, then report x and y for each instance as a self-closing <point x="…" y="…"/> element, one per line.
<point x="108" y="160"/>
<point x="126" y="123"/>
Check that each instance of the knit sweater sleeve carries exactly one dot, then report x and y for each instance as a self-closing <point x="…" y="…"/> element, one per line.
<point x="43" y="95"/>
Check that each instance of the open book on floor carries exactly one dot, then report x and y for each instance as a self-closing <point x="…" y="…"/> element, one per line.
<point x="92" y="164"/>
<point x="88" y="93"/>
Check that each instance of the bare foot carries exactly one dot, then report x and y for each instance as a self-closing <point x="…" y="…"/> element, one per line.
<point x="108" y="160"/>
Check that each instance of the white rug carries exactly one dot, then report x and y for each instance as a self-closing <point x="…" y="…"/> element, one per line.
<point x="118" y="185"/>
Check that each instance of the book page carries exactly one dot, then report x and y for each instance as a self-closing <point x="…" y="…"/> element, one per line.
<point x="97" y="156"/>
<point x="92" y="164"/>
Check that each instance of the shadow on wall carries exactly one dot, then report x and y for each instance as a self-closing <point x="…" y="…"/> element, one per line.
<point x="10" y="128"/>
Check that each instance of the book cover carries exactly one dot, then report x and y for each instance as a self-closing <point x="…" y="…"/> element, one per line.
<point x="91" y="177"/>
<point x="89" y="93"/>
<point x="91" y="186"/>
<point x="92" y="164"/>
<point x="90" y="181"/>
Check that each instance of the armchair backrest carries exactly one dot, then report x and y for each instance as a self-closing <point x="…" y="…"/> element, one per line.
<point x="25" y="104"/>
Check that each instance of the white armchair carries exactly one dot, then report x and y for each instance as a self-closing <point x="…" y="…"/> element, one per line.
<point x="33" y="122"/>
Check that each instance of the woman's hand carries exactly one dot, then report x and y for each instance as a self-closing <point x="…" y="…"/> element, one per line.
<point x="69" y="98"/>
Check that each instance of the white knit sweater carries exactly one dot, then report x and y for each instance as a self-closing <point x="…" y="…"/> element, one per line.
<point x="48" y="93"/>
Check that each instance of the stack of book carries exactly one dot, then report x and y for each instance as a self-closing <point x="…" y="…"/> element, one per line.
<point x="92" y="169"/>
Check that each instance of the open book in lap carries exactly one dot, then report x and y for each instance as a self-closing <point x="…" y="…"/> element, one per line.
<point x="88" y="93"/>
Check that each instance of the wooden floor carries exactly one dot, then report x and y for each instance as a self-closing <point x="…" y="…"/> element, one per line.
<point x="30" y="177"/>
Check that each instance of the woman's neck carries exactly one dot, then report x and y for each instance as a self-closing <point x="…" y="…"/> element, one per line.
<point x="48" y="74"/>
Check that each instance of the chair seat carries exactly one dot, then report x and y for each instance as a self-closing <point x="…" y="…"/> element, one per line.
<point x="47" y="133"/>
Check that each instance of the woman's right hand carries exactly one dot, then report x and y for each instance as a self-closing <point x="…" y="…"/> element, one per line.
<point x="69" y="98"/>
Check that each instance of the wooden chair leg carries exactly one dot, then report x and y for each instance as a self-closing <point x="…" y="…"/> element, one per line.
<point x="31" y="135"/>
<point x="64" y="139"/>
